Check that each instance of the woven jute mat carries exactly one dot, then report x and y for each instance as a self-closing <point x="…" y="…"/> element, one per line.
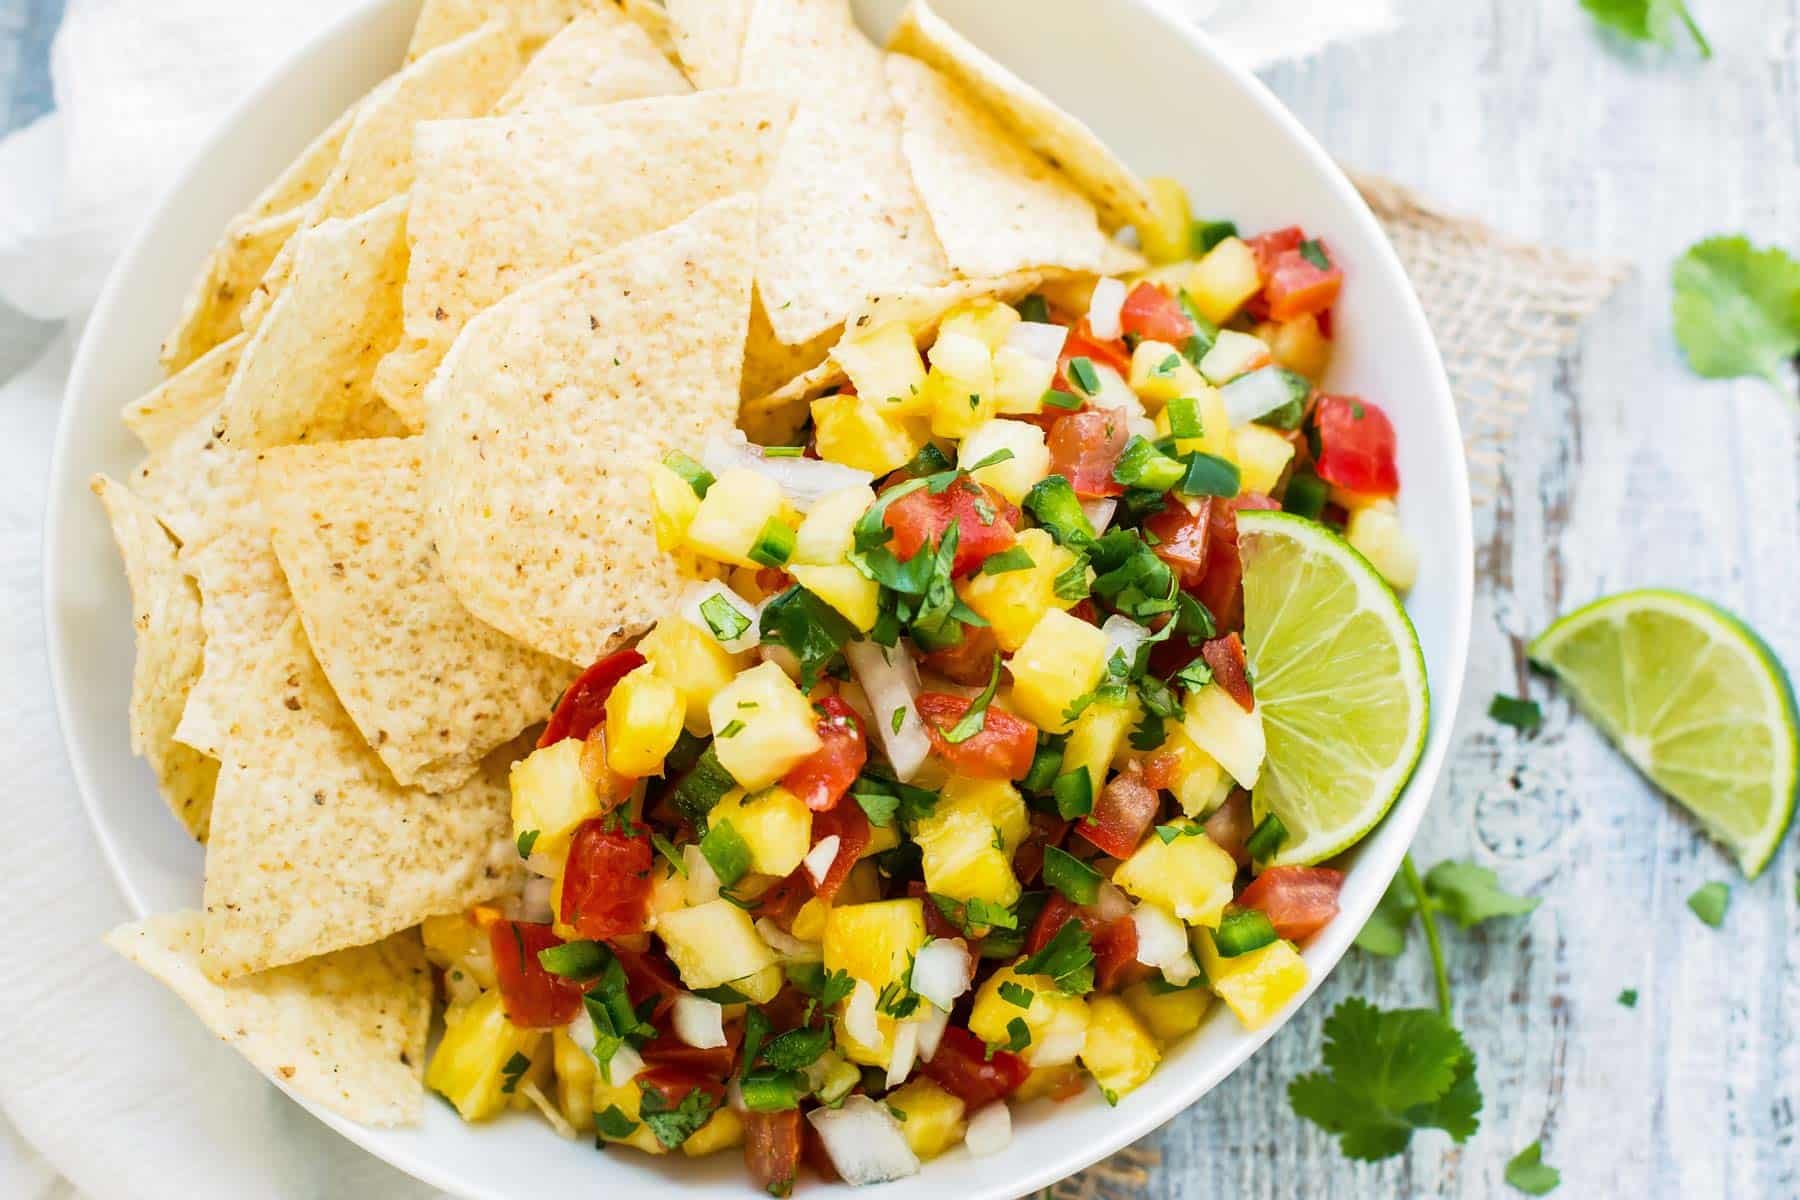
<point x="1497" y="308"/>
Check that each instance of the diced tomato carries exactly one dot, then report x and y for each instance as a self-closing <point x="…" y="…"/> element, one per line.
<point x="1181" y="538"/>
<point x="1081" y="343"/>
<point x="773" y="580"/>
<point x="1232" y="825"/>
<point x="1115" y="955"/>
<point x="1162" y="769"/>
<point x="583" y="706"/>
<point x="1085" y="610"/>
<point x="1084" y="449"/>
<point x="772" y="1143"/>
<point x="667" y="1050"/>
<point x="1221" y="589"/>
<point x="1225" y="655"/>
<point x="1150" y="312"/>
<point x="1356" y="446"/>
<point x="1122" y="814"/>
<point x="532" y="997"/>
<point x="784" y="899"/>
<point x="1047" y="829"/>
<point x="814" y="1154"/>
<point x="984" y="520"/>
<point x="822" y="777"/>
<point x="1294" y="285"/>
<point x="1299" y="901"/>
<point x="1058" y="911"/>
<point x="1255" y="501"/>
<point x="606" y="881"/>
<point x="648" y="977"/>
<point x="675" y="1084"/>
<point x="1003" y="749"/>
<point x="850" y="825"/>
<point x="962" y="1067"/>
<point x="969" y="661"/>
<point x="1268" y="247"/>
<point x="937" y="925"/>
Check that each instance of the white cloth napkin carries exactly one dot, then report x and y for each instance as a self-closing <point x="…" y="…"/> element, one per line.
<point x="110" y="1089"/>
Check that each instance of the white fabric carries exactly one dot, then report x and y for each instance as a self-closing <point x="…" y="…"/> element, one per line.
<point x="101" y="1071"/>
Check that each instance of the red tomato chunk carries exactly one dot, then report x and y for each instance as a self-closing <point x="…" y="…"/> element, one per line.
<point x="1003" y="749"/>
<point x="1225" y="655"/>
<point x="962" y="1067"/>
<point x="983" y="518"/>
<point x="1151" y="313"/>
<point x="1084" y="449"/>
<point x="850" y="825"/>
<point x="583" y="707"/>
<point x="606" y="881"/>
<point x="1299" y="901"/>
<point x="1356" y="446"/>
<point x="1122" y="815"/>
<point x="532" y="997"/>
<point x="822" y="778"/>
<point x="772" y="1143"/>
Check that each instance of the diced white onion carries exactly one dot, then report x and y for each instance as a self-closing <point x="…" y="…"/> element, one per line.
<point x="1099" y="512"/>
<point x="1115" y="393"/>
<point x="1055" y="1049"/>
<point x="804" y="481"/>
<point x="819" y="859"/>
<point x="625" y="1066"/>
<point x="906" y="1050"/>
<point x="1123" y="636"/>
<point x="1037" y="340"/>
<point x="891" y="680"/>
<point x="990" y="1129"/>
<point x="932" y="1023"/>
<point x="942" y="970"/>
<point x="549" y="866"/>
<point x="789" y="947"/>
<point x="700" y="593"/>
<point x="1104" y="308"/>
<point x="734" y="1096"/>
<point x="698" y="1021"/>
<point x="1110" y="903"/>
<point x="1250" y="396"/>
<point x="532" y="905"/>
<point x="865" y="1143"/>
<point x="702" y="884"/>
<point x="581" y="1031"/>
<point x="1162" y="942"/>
<point x="860" y="1017"/>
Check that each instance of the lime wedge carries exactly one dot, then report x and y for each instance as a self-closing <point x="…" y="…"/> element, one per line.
<point x="1696" y="701"/>
<point x="1339" y="679"/>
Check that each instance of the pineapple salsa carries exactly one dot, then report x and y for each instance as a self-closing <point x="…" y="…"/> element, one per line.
<point x="933" y="798"/>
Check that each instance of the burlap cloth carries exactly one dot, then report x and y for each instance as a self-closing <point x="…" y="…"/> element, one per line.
<point x="1497" y="308"/>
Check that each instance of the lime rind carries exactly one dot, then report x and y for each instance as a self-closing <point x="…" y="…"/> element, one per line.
<point x="1741" y="790"/>
<point x="1340" y="680"/>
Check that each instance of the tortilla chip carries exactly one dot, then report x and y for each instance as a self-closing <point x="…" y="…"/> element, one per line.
<point x="841" y="220"/>
<point x="168" y="411"/>
<point x="305" y="177"/>
<point x="996" y="206"/>
<point x="709" y="38"/>
<point x="504" y="202"/>
<point x="653" y="19"/>
<point x="431" y="689"/>
<point x="308" y="366"/>
<point x="547" y="410"/>
<point x="600" y="58"/>
<point x="346" y="1031"/>
<point x="534" y="21"/>
<point x="769" y="363"/>
<point x="213" y="310"/>
<point x="315" y="848"/>
<point x="1047" y="129"/>
<point x="165" y="611"/>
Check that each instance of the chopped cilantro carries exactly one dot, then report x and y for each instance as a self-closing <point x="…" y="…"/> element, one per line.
<point x="513" y="1071"/>
<point x="1313" y="251"/>
<point x="732" y="728"/>
<point x="808" y="627"/>
<point x="614" y="1123"/>
<point x="674" y="1124"/>
<point x="1709" y="903"/>
<point x="1018" y="1035"/>
<point x="1628" y="998"/>
<point x="1528" y="1172"/>
<point x="527" y="839"/>
<point x="1523" y="715"/>
<point x="1013" y="558"/>
<point x="974" y="720"/>
<point x="1067" y="958"/>
<point x="1648" y="21"/>
<point x="1016" y="994"/>
<point x="797" y="1049"/>
<point x="1737" y="309"/>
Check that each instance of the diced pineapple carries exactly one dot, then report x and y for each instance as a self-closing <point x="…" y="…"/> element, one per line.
<point x="1215" y="436"/>
<point x="760" y="987"/>
<point x="882" y="838"/>
<point x="623" y="1103"/>
<point x="1232" y="355"/>
<point x="668" y="890"/>
<point x="1189" y="875"/>
<point x="456" y="942"/>
<point x="691" y="659"/>
<point x="1376" y="534"/>
<point x="575" y="1072"/>
<point x="850" y="430"/>
<point x="1262" y="455"/>
<point x="1061" y="661"/>
<point x="967" y="842"/>
<point x="874" y="942"/>
<point x="1169" y="1015"/>
<point x="1015" y="601"/>
<point x="713" y="943"/>
<point x="985" y="319"/>
<point x="672" y="507"/>
<point x="931" y="1118"/>
<point x="1020" y="381"/>
<point x="723" y="1130"/>
<point x="846" y="589"/>
<point x="875" y="1054"/>
<point x="551" y="795"/>
<point x="1100" y="732"/>
<point x="1119" y="1052"/>
<point x="884" y="365"/>
<point x="1165" y="239"/>
<point x="960" y="384"/>
<point x="1159" y="373"/>
<point x="644" y="717"/>
<point x="1232" y="736"/>
<point x="731" y="518"/>
<point x="1302" y="347"/>
<point x="1255" y="986"/>
<point x="1201" y="784"/>
<point x="809" y="922"/>
<point x="775" y="824"/>
<point x="863" y="886"/>
<point x="826" y="535"/>
<point x="1056" y="1020"/>
<point x="1029" y="463"/>
<point x="1048" y="1081"/>
<point x="469" y="1068"/>
<point x="763" y="726"/>
<point x="1224" y="280"/>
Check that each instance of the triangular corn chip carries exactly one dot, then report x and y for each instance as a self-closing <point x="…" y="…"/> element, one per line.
<point x="599" y="58"/>
<point x="709" y="38"/>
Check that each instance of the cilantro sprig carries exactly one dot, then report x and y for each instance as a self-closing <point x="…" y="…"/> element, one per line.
<point x="1736" y="309"/>
<point x="1650" y="21"/>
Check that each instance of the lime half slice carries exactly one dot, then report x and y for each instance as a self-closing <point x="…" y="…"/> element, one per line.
<point x="1339" y="679"/>
<point x="1696" y="701"/>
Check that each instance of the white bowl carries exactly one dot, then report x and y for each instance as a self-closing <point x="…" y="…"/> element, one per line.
<point x="1160" y="93"/>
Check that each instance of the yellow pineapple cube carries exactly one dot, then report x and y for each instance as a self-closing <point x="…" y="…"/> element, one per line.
<point x="1020" y="381"/>
<point x="881" y="838"/>
<point x="1254" y="986"/>
<point x="1100" y="734"/>
<point x="618" y="1116"/>
<point x="575" y="1071"/>
<point x="1012" y="478"/>
<point x="469" y="1068"/>
<point x="672" y="507"/>
<point x="713" y="943"/>
<point x="731" y="518"/>
<point x="551" y="795"/>
<point x="1159" y="373"/>
<point x="723" y="1130"/>
<point x="1302" y="347"/>
<point x="930" y="1117"/>
<point x="762" y="725"/>
<point x="875" y="1054"/>
<point x="694" y="662"/>
<point x="1376" y="534"/>
<point x="1262" y="455"/>
<point x="1201" y="784"/>
<point x="456" y="942"/>
<point x="1061" y="661"/>
<point x="966" y="844"/>
<point x="1223" y="281"/>
<point x="759" y="987"/>
<point x="864" y="884"/>
<point x="1165" y="239"/>
<point x="874" y="942"/>
<point x="850" y="430"/>
<point x="826" y="535"/>
<point x="1169" y="1015"/>
<point x="1056" y="1020"/>
<point x="775" y="824"/>
<point x="644" y="717"/>
<point x="960" y="385"/>
<point x="1014" y="602"/>
<point x="1189" y="875"/>
<point x="884" y="365"/>
<point x="853" y="594"/>
<point x="1232" y="736"/>
<point x="1119" y="1052"/>
<point x="809" y="922"/>
<point x="1046" y="1081"/>
<point x="985" y="319"/>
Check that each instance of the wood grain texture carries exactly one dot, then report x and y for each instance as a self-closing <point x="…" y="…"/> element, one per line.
<point x="1628" y="472"/>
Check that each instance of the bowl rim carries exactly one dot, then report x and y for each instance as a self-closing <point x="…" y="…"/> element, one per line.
<point x="1326" y="950"/>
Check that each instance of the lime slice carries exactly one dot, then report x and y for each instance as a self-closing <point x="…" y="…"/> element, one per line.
<point x="1339" y="679"/>
<point x="1696" y="701"/>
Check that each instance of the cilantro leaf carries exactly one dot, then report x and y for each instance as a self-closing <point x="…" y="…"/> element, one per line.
<point x="1737" y="308"/>
<point x="674" y="1124"/>
<point x="1527" y="1171"/>
<point x="1067" y="958"/>
<point x="797" y="1049"/>
<point x="1647" y="20"/>
<point x="810" y="628"/>
<point x="1470" y="894"/>
<point x="1385" y="931"/>
<point x="1709" y="902"/>
<point x="1388" y="1073"/>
